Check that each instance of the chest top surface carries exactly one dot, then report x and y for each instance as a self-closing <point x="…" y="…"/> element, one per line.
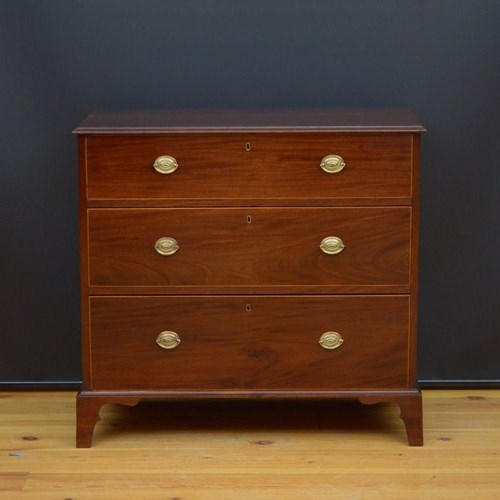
<point x="248" y="120"/>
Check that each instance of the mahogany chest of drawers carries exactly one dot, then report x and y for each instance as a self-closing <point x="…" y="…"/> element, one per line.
<point x="266" y="254"/>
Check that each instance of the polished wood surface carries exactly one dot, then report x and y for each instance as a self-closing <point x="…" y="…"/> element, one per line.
<point x="249" y="205"/>
<point x="414" y="260"/>
<point x="254" y="343"/>
<point x="275" y="247"/>
<point x="218" y="167"/>
<point x="251" y="449"/>
<point x="189" y="121"/>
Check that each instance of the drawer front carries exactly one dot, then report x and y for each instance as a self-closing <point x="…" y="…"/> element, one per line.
<point x="249" y="247"/>
<point x="249" y="343"/>
<point x="248" y="166"/>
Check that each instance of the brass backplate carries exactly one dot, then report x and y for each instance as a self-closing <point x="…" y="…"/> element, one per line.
<point x="165" y="164"/>
<point x="168" y="340"/>
<point x="331" y="340"/>
<point x="332" y="164"/>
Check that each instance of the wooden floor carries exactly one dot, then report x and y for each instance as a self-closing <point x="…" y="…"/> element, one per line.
<point x="251" y="450"/>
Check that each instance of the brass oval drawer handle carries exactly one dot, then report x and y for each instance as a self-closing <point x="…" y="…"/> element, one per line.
<point x="168" y="340"/>
<point x="165" y="164"/>
<point x="332" y="164"/>
<point x="332" y="245"/>
<point x="331" y="340"/>
<point x="166" y="246"/>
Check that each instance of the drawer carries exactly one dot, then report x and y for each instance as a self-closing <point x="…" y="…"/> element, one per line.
<point x="253" y="247"/>
<point x="248" y="342"/>
<point x="233" y="166"/>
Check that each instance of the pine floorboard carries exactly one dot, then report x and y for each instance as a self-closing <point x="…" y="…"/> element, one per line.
<point x="251" y="449"/>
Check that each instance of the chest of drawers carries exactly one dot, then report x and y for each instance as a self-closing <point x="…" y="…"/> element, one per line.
<point x="249" y="254"/>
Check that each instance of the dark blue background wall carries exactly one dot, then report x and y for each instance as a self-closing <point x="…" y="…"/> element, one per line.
<point x="59" y="60"/>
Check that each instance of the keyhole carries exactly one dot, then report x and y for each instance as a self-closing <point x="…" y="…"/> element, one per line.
<point x="247" y="147"/>
<point x="249" y="219"/>
<point x="248" y="308"/>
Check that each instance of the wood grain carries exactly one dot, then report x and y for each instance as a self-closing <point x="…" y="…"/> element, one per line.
<point x="251" y="449"/>
<point x="84" y="254"/>
<point x="414" y="259"/>
<point x="249" y="205"/>
<point x="273" y="346"/>
<point x="218" y="247"/>
<point x="218" y="167"/>
<point x="337" y="120"/>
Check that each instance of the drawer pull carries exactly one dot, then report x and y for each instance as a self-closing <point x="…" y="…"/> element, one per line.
<point x="332" y="245"/>
<point x="168" y="340"/>
<point x="331" y="340"/>
<point x="166" y="246"/>
<point x="332" y="164"/>
<point x="165" y="164"/>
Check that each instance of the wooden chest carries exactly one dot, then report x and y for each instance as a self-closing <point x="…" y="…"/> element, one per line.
<point x="264" y="254"/>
